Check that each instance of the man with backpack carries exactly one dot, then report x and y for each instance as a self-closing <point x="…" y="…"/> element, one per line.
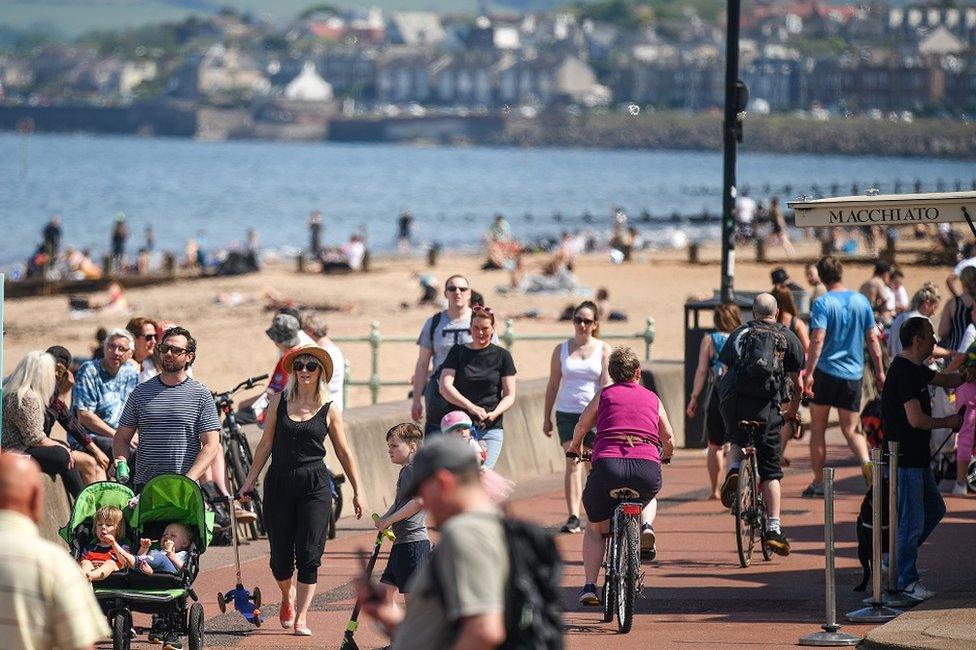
<point x="491" y="582"/>
<point x="440" y="333"/>
<point x="760" y="355"/>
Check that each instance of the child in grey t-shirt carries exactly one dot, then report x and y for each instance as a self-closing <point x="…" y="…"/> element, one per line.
<point x="406" y="516"/>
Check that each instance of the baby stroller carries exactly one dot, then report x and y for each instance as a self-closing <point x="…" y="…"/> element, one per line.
<point x="165" y="499"/>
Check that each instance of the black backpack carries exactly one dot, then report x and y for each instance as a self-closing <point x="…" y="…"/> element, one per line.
<point x="759" y="365"/>
<point x="533" y="596"/>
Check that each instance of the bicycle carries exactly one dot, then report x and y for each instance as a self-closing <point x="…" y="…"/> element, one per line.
<point x="237" y="451"/>
<point x="623" y="581"/>
<point x="749" y="508"/>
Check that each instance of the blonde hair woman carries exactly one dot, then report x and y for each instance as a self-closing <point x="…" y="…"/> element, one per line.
<point x="25" y="394"/>
<point x="297" y="494"/>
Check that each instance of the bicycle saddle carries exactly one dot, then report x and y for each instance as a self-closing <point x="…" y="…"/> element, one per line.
<point x="624" y="493"/>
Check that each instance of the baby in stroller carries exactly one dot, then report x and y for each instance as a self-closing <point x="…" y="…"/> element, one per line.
<point x="106" y="555"/>
<point x="171" y="554"/>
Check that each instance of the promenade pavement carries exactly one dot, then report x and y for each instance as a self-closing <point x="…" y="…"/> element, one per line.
<point x="696" y="595"/>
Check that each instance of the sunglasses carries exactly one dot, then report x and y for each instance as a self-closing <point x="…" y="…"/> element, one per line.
<point x="148" y="337"/>
<point x="307" y="366"/>
<point x="454" y="289"/>
<point x="174" y="350"/>
<point x="482" y="310"/>
<point x="583" y="321"/>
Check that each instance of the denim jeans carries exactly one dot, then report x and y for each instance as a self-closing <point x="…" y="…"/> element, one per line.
<point x="920" y="509"/>
<point x="493" y="439"/>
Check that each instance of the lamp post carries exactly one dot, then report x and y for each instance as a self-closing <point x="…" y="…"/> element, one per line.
<point x="736" y="98"/>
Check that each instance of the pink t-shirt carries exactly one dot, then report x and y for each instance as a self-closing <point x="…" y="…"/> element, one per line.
<point x="627" y="408"/>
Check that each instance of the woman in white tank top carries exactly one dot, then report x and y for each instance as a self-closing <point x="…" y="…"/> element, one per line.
<point x="577" y="370"/>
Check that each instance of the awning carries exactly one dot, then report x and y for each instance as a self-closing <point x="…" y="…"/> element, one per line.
<point x="885" y="209"/>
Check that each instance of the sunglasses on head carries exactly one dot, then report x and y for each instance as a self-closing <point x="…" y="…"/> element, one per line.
<point x="308" y="366"/>
<point x="481" y="309"/>
<point x="452" y="289"/>
<point x="579" y="320"/>
<point x="165" y="348"/>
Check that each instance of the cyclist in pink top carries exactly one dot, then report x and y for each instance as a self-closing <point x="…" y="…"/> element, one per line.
<point x="633" y="436"/>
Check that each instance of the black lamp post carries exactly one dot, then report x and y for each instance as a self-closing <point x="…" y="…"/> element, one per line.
<point x="736" y="98"/>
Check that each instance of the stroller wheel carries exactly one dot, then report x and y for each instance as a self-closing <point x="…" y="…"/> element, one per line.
<point x="256" y="596"/>
<point x="121" y="631"/>
<point x="195" y="627"/>
<point x="221" y="603"/>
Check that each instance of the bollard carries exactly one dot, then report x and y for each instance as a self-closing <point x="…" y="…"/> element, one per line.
<point x="831" y="635"/>
<point x="893" y="596"/>
<point x="694" y="252"/>
<point x="876" y="612"/>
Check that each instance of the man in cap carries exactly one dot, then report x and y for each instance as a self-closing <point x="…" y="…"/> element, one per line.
<point x="46" y="600"/>
<point x="286" y="333"/>
<point x="470" y="562"/>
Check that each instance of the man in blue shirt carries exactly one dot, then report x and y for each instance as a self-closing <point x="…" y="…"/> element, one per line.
<point x="841" y="323"/>
<point x="101" y="388"/>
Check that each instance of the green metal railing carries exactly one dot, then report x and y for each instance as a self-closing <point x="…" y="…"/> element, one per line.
<point x="508" y="338"/>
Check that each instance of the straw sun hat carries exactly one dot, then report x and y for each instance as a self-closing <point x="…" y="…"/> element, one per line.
<point x="310" y="350"/>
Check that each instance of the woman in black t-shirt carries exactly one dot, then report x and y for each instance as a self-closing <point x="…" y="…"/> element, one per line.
<point x="479" y="378"/>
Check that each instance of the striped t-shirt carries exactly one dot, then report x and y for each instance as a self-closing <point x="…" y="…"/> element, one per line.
<point x="170" y="421"/>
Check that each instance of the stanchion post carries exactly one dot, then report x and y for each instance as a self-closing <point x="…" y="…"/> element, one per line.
<point x="877" y="612"/>
<point x="648" y="338"/>
<point x="374" y="377"/>
<point x="831" y="635"/>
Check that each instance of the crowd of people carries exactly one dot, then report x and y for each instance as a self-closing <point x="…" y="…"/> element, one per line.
<point x="134" y="411"/>
<point x="762" y="370"/>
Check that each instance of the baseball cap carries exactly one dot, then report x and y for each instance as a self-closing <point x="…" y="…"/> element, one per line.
<point x="452" y="454"/>
<point x="455" y="420"/>
<point x="284" y="330"/>
<point x="779" y="275"/>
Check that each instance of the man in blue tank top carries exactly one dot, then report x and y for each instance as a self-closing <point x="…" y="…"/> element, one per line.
<point x="841" y="323"/>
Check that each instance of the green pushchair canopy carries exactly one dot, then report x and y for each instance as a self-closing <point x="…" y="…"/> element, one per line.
<point x="93" y="497"/>
<point x="175" y="498"/>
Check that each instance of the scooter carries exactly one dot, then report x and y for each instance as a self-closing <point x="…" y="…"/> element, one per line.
<point x="347" y="641"/>
<point x="245" y="602"/>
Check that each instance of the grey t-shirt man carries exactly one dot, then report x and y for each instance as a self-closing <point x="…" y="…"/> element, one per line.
<point x="414" y="527"/>
<point x="472" y="567"/>
<point x="447" y="334"/>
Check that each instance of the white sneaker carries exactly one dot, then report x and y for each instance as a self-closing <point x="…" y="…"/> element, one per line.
<point x="959" y="490"/>
<point x="917" y="591"/>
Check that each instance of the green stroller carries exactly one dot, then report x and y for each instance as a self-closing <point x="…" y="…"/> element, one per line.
<point x="165" y="499"/>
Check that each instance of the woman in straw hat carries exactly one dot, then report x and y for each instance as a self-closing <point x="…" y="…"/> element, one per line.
<point x="297" y="494"/>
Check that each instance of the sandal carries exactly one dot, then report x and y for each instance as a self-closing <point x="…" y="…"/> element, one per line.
<point x="302" y="630"/>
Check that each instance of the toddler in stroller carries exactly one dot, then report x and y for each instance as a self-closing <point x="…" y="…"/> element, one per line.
<point x="106" y="554"/>
<point x="171" y="554"/>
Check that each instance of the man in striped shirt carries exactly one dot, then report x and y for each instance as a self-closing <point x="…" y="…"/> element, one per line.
<point x="45" y="600"/>
<point x="179" y="430"/>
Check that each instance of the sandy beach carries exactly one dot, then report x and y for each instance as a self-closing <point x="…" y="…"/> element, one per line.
<point x="232" y="344"/>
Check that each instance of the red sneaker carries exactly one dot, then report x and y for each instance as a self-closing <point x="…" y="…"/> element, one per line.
<point x="286" y="616"/>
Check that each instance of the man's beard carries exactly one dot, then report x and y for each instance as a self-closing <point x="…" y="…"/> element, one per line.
<point x="173" y="366"/>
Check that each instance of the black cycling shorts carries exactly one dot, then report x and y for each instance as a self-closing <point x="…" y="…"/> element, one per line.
<point x="643" y="476"/>
<point x="767" y="441"/>
<point x="834" y="391"/>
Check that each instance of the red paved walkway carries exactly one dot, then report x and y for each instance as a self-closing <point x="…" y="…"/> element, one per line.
<point x="696" y="596"/>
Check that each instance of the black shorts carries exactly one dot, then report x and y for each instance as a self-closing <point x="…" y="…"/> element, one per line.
<point x="714" y="427"/>
<point x="566" y="426"/>
<point x="834" y="391"/>
<point x="404" y="560"/>
<point x="643" y="476"/>
<point x="767" y="442"/>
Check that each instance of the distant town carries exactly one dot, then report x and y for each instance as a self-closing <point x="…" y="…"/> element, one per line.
<point x="369" y="74"/>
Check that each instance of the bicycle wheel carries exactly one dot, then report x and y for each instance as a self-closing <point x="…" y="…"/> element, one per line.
<point x="238" y="472"/>
<point x="745" y="532"/>
<point x="247" y="459"/>
<point x="628" y="567"/>
<point x="609" y="581"/>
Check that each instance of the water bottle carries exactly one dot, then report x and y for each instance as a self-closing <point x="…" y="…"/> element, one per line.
<point x="121" y="471"/>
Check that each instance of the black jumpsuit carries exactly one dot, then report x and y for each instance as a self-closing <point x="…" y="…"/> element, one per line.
<point x="298" y="495"/>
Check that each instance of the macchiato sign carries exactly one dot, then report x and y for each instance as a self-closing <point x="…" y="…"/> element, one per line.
<point x="884" y="209"/>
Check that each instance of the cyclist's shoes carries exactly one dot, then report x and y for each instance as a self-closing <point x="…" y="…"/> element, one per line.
<point x="648" y="547"/>
<point x="730" y="487"/>
<point x="776" y="540"/>
<point x="813" y="490"/>
<point x="244" y="516"/>
<point x="572" y="525"/>
<point x="588" y="596"/>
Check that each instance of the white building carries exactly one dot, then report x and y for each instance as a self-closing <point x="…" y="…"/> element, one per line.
<point x="308" y="86"/>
